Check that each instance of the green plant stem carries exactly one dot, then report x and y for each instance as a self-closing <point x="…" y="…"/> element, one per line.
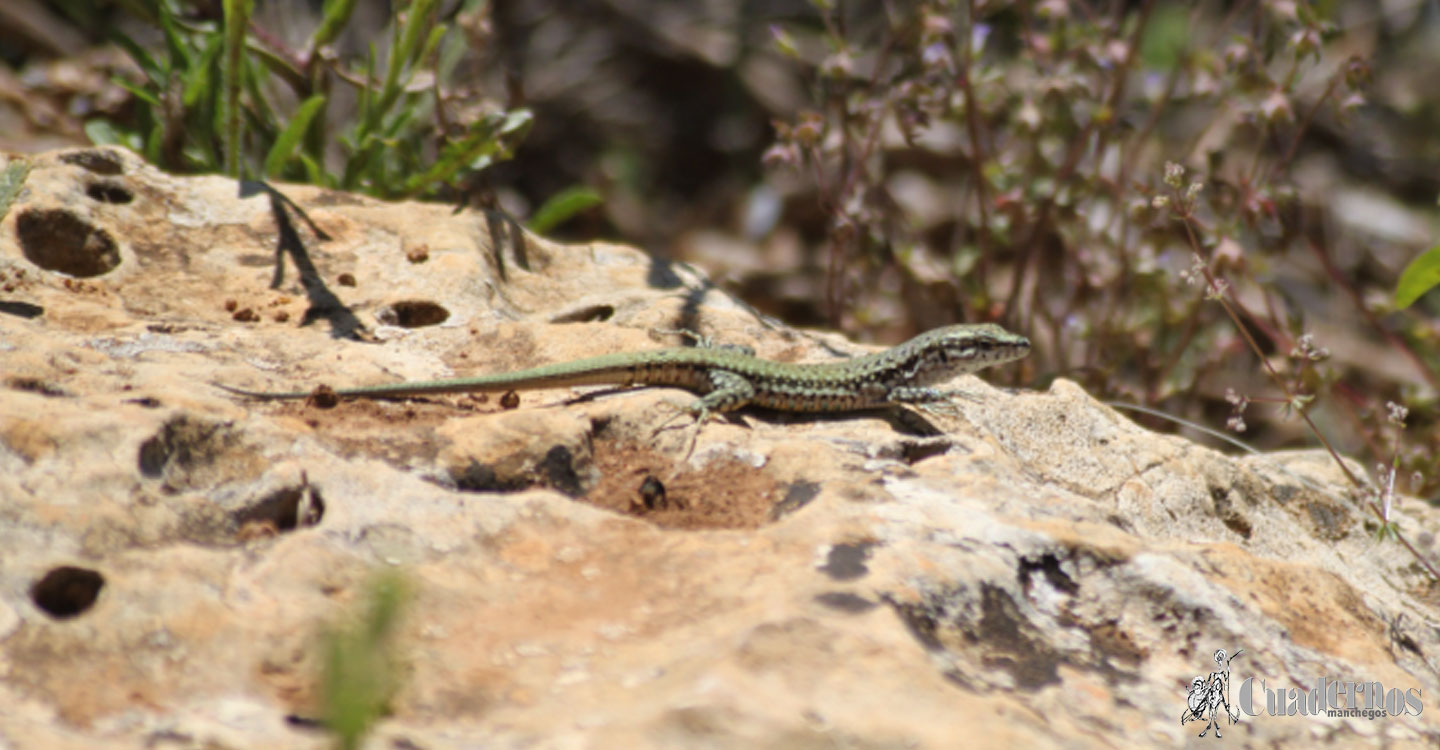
<point x="1225" y="303"/>
<point x="977" y="154"/>
<point x="237" y="20"/>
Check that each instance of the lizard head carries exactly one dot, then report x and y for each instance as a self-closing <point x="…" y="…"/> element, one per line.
<point x="958" y="349"/>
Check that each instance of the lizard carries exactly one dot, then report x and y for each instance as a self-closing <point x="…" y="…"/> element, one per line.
<point x="728" y="378"/>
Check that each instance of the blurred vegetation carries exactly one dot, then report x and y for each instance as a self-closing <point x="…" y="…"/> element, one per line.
<point x="887" y="167"/>
<point x="218" y="93"/>
<point x="361" y="669"/>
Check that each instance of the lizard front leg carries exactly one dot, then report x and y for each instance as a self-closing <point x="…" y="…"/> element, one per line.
<point x="730" y="391"/>
<point x="929" y="399"/>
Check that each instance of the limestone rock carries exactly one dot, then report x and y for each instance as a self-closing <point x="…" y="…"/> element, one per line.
<point x="1034" y="570"/>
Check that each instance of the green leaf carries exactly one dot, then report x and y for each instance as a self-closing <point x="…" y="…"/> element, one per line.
<point x="419" y="18"/>
<point x="142" y="58"/>
<point x="154" y="143"/>
<point x="144" y="95"/>
<point x="175" y="42"/>
<point x="561" y="207"/>
<point x="403" y="117"/>
<point x="476" y="151"/>
<point x="200" y="80"/>
<point x="11" y="180"/>
<point x="258" y="108"/>
<point x="366" y="105"/>
<point x="102" y="132"/>
<point x="1166" y="38"/>
<point x="359" y="165"/>
<point x="314" y="174"/>
<point x="290" y="137"/>
<point x="1419" y="277"/>
<point x="432" y="43"/>
<point x="278" y="65"/>
<point x="337" y="14"/>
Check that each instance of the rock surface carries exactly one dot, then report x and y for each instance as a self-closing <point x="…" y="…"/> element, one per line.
<point x="1034" y="570"/>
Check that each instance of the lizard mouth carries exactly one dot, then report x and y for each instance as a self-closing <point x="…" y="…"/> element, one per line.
<point x="1004" y="351"/>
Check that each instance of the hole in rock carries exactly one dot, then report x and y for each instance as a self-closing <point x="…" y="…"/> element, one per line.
<point x="67" y="591"/>
<point x="591" y="314"/>
<point x="34" y="385"/>
<point x="109" y="192"/>
<point x="58" y="240"/>
<point x="413" y="314"/>
<point x="21" y="309"/>
<point x="283" y="510"/>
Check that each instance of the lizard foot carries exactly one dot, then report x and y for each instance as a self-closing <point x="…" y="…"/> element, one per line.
<point x="700" y="413"/>
<point x="702" y="341"/>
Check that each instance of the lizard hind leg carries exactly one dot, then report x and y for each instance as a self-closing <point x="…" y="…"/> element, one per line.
<point x="696" y="409"/>
<point x="730" y="392"/>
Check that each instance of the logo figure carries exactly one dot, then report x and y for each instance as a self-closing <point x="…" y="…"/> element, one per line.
<point x="1207" y="694"/>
